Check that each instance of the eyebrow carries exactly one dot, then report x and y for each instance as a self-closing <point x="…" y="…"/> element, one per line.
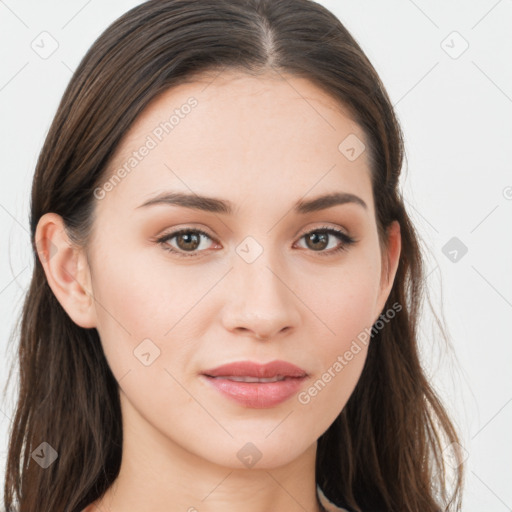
<point x="215" y="205"/>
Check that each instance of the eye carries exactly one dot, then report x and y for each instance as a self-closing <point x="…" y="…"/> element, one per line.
<point x="318" y="238"/>
<point x="188" y="241"/>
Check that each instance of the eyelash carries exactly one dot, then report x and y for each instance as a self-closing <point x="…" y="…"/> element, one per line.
<point x="344" y="238"/>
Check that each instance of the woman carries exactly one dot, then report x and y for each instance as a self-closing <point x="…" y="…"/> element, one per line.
<point x="227" y="285"/>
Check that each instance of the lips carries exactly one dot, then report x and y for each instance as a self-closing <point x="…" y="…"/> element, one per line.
<point x="254" y="385"/>
<point x="259" y="371"/>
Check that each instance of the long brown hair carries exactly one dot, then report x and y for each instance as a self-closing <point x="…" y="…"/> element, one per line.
<point x="384" y="451"/>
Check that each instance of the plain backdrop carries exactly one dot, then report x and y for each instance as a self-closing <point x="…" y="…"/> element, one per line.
<point x="447" y="68"/>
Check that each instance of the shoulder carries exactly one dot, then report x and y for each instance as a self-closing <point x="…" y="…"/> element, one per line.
<point x="328" y="505"/>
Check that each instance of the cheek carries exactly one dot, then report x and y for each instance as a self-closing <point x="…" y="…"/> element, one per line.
<point x="346" y="307"/>
<point x="342" y="298"/>
<point x="151" y="311"/>
<point x="339" y="357"/>
<point x="135" y="302"/>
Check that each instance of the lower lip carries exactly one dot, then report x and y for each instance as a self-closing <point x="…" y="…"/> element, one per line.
<point x="258" y="395"/>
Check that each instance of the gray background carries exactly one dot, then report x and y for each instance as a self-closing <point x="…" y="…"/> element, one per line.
<point x="455" y="106"/>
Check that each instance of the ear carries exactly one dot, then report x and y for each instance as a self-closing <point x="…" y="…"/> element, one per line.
<point x="390" y="260"/>
<point x="67" y="270"/>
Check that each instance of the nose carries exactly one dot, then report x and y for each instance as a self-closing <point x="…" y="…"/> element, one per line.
<point x="260" y="301"/>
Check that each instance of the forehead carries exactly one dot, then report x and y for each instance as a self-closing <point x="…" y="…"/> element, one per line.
<point x="241" y="137"/>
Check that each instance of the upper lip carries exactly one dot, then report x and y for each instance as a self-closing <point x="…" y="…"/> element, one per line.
<point x="252" y="369"/>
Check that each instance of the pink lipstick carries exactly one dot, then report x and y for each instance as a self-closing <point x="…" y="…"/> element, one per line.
<point x="255" y="385"/>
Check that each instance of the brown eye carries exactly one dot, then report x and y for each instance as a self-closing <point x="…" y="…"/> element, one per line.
<point x="188" y="241"/>
<point x="318" y="240"/>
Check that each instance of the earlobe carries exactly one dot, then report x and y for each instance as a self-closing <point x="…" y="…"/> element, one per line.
<point x="67" y="270"/>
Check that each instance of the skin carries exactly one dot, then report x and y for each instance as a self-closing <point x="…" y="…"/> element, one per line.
<point x="262" y="143"/>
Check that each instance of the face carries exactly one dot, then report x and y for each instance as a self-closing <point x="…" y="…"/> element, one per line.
<point x="255" y="279"/>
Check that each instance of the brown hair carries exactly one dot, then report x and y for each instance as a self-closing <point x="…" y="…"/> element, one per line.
<point x="384" y="450"/>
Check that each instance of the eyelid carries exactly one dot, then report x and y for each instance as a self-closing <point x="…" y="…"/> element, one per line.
<point x="300" y="232"/>
<point x="187" y="228"/>
<point x="323" y="226"/>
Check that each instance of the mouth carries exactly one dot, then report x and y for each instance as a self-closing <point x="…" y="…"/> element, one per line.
<point x="254" y="385"/>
